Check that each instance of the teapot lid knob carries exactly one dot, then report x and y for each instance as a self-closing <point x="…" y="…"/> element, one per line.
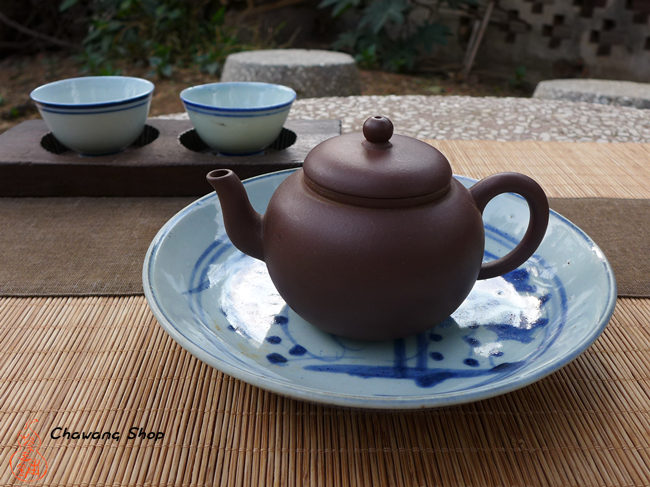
<point x="378" y="129"/>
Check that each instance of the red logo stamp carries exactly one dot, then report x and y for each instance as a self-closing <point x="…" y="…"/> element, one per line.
<point x="27" y="463"/>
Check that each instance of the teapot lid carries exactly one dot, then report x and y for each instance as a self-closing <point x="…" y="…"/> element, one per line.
<point x="377" y="168"/>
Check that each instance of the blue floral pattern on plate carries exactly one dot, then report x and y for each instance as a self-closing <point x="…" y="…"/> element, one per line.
<point x="512" y="330"/>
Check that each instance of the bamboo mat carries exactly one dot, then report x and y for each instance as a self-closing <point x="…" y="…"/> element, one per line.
<point x="103" y="364"/>
<point x="564" y="170"/>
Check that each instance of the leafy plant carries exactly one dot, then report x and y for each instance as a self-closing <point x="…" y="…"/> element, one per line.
<point x="390" y="33"/>
<point x="518" y="81"/>
<point x="160" y="34"/>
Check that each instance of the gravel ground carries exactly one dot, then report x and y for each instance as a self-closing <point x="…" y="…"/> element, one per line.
<point x="485" y="118"/>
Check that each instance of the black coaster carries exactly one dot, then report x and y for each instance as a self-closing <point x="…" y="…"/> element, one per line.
<point x="51" y="143"/>
<point x="191" y="140"/>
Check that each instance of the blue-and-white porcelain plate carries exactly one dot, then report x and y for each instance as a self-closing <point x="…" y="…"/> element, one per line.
<point x="221" y="306"/>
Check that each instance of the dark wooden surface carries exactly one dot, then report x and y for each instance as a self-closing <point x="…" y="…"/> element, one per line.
<point x="163" y="167"/>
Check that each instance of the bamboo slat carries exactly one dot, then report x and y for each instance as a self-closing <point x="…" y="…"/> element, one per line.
<point x="103" y="364"/>
<point x="565" y="170"/>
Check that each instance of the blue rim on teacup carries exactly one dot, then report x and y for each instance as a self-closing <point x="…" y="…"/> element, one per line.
<point x="209" y="109"/>
<point x="38" y="95"/>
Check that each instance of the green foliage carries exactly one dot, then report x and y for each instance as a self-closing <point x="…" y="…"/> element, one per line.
<point x="340" y="6"/>
<point x="160" y="34"/>
<point x="386" y="34"/>
<point x="14" y="113"/>
<point x="66" y="4"/>
<point x="518" y="81"/>
<point x="519" y="78"/>
<point x="381" y="13"/>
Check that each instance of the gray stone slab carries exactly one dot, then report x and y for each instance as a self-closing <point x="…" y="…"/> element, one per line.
<point x="311" y="72"/>
<point x="482" y="118"/>
<point x="605" y="92"/>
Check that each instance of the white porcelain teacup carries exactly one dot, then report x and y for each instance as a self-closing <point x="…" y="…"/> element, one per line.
<point x="238" y="118"/>
<point x="95" y="115"/>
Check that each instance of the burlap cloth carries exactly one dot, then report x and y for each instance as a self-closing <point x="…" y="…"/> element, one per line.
<point x="78" y="246"/>
<point x="96" y="246"/>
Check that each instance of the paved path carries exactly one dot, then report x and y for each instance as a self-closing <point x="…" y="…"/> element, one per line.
<point x="487" y="118"/>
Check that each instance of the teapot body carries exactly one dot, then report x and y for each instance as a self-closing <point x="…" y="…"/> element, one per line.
<point x="373" y="238"/>
<point x="371" y="273"/>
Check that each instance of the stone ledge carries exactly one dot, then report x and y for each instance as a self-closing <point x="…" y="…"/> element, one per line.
<point x="311" y="72"/>
<point x="481" y="118"/>
<point x="604" y="92"/>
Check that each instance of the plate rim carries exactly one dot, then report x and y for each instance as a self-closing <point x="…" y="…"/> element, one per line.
<point x="298" y="391"/>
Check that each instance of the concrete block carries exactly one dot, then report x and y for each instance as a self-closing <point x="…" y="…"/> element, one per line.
<point x="605" y="92"/>
<point x="311" y="72"/>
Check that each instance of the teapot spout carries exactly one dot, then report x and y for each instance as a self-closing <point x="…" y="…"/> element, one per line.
<point x="243" y="224"/>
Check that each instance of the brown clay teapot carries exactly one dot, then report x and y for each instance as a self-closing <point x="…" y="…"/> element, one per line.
<point x="374" y="238"/>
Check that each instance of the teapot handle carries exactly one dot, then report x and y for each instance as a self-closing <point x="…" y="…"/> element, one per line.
<point x="510" y="182"/>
